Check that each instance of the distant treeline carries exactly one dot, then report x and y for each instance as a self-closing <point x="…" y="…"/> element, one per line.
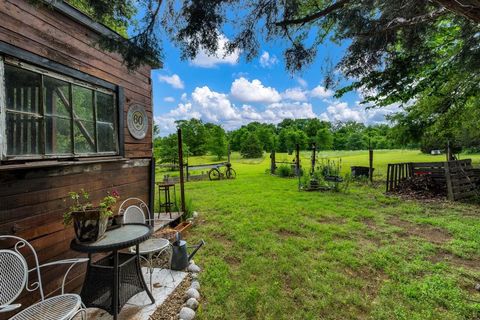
<point x="253" y="139"/>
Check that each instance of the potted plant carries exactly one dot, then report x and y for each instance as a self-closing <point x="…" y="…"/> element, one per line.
<point x="89" y="222"/>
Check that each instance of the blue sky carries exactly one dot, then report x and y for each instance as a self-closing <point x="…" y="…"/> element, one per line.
<point x="232" y="92"/>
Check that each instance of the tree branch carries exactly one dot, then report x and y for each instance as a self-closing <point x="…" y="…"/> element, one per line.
<point x="467" y="8"/>
<point x="317" y="15"/>
<point x="402" y="22"/>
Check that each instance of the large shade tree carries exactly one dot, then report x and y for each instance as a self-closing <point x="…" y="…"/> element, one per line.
<point x="399" y="51"/>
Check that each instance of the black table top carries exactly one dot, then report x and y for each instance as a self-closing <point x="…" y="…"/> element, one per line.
<point x="121" y="238"/>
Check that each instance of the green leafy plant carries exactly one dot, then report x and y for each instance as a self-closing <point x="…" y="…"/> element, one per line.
<point x="330" y="167"/>
<point x="81" y="203"/>
<point x="285" y="171"/>
<point x="189" y="208"/>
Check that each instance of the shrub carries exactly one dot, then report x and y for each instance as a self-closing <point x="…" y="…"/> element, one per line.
<point x="285" y="171"/>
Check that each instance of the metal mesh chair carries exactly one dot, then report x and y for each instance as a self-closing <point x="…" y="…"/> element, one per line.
<point x="134" y="210"/>
<point x="14" y="278"/>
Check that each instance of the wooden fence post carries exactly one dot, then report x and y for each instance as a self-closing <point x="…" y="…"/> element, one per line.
<point x="370" y="164"/>
<point x="180" y="164"/>
<point x="448" y="178"/>
<point x="297" y="160"/>
<point x="272" y="162"/>
<point x="314" y="154"/>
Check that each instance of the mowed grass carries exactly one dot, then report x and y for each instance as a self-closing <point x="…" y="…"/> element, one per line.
<point x="273" y="252"/>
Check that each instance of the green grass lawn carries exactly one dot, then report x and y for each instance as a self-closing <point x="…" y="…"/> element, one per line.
<point x="273" y="252"/>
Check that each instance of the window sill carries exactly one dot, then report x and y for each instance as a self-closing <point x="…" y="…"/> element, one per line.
<point x="59" y="163"/>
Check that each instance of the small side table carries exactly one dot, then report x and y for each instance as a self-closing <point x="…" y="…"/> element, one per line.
<point x="167" y="202"/>
<point x="113" y="280"/>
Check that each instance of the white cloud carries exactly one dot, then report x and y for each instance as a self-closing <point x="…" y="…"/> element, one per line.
<point x="341" y="112"/>
<point x="169" y="99"/>
<point x="253" y="91"/>
<point x="213" y="106"/>
<point x="295" y="94"/>
<point x="264" y="104"/>
<point x="204" y="60"/>
<point x="294" y="110"/>
<point x="250" y="113"/>
<point x="173" y="80"/>
<point x="267" y="61"/>
<point x="302" y="82"/>
<point x="321" y="92"/>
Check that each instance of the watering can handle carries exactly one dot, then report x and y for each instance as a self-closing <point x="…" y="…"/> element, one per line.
<point x="198" y="246"/>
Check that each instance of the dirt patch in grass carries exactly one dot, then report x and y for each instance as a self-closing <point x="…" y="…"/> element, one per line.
<point x="370" y="223"/>
<point x="332" y="220"/>
<point x="171" y="307"/>
<point x="443" y="256"/>
<point x="429" y="233"/>
<point x="233" y="261"/>
<point x="373" y="279"/>
<point x="286" y="233"/>
<point x="223" y="239"/>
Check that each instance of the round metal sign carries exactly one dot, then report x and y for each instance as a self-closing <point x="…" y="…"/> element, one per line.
<point x="137" y="121"/>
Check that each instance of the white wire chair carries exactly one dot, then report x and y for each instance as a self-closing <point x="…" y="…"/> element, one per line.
<point x="134" y="210"/>
<point x="15" y="277"/>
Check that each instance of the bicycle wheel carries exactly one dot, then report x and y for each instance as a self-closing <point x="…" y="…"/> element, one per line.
<point x="230" y="173"/>
<point x="214" y="174"/>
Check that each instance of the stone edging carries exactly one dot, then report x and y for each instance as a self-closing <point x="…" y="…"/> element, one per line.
<point x="192" y="296"/>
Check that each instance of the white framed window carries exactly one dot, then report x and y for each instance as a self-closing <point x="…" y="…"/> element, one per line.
<point x="48" y="115"/>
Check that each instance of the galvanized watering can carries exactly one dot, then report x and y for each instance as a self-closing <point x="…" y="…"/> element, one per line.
<point x="180" y="256"/>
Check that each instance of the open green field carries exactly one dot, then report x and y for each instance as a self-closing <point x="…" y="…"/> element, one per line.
<point x="273" y="252"/>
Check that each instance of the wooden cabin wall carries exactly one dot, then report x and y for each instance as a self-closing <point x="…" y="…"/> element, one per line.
<point x="32" y="200"/>
<point x="50" y="34"/>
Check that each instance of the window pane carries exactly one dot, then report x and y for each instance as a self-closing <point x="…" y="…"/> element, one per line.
<point x="22" y="89"/>
<point x="58" y="139"/>
<point x="84" y="137"/>
<point x="83" y="103"/>
<point x="23" y="134"/>
<point x="106" y="137"/>
<point x="105" y="108"/>
<point x="56" y="95"/>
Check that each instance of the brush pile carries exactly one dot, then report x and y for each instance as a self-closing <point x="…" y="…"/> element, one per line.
<point x="421" y="187"/>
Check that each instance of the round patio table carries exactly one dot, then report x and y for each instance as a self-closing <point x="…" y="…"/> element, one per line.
<point x="110" y="282"/>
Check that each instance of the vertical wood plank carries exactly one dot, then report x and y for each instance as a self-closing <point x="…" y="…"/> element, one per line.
<point x="370" y="165"/>
<point x="272" y="162"/>
<point x="448" y="178"/>
<point x="388" y="177"/>
<point x="395" y="175"/>
<point x="3" y="126"/>
<point x="180" y="166"/>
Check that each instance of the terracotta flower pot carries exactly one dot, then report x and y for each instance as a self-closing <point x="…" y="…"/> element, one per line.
<point x="89" y="225"/>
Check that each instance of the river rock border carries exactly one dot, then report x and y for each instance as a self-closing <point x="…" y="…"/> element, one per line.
<point x="192" y="295"/>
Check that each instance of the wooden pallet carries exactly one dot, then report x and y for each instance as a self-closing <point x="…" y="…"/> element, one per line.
<point x="460" y="178"/>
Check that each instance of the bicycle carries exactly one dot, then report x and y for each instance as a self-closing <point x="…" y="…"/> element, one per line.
<point x="215" y="174"/>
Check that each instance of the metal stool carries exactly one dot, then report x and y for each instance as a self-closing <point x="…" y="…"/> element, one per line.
<point x="167" y="203"/>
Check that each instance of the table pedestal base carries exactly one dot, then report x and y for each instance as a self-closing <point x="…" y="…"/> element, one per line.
<point x="98" y="290"/>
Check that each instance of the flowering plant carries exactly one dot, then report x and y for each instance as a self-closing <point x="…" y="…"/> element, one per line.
<point x="81" y="203"/>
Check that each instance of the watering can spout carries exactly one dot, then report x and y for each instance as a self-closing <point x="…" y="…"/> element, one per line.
<point x="198" y="246"/>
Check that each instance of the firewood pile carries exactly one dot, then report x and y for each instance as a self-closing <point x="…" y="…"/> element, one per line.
<point x="421" y="187"/>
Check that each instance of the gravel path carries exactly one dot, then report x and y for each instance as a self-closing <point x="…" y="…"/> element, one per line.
<point x="171" y="307"/>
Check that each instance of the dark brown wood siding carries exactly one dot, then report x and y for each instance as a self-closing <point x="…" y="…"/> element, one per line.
<point x="33" y="199"/>
<point x="49" y="34"/>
